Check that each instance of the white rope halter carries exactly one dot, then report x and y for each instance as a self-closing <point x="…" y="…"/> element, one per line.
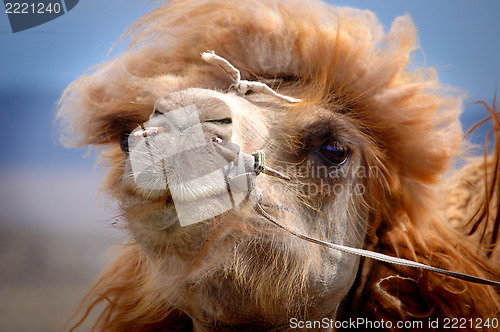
<point x="240" y="85"/>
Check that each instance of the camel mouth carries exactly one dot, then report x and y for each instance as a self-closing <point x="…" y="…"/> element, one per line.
<point x="202" y="179"/>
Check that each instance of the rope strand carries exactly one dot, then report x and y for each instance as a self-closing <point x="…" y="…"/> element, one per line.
<point x="240" y="85"/>
<point x="375" y="255"/>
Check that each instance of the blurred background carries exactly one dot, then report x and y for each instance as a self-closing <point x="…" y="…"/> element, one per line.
<point x="54" y="228"/>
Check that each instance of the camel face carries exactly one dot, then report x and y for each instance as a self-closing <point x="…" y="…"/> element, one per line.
<point x="367" y="154"/>
<point x="192" y="192"/>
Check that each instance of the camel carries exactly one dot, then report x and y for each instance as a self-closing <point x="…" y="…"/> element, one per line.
<point x="224" y="115"/>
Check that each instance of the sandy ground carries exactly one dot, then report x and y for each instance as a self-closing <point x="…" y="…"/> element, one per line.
<point x="44" y="275"/>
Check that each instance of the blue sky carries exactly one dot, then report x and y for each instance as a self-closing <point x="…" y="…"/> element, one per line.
<point x="458" y="37"/>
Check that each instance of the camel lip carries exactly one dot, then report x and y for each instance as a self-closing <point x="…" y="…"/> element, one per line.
<point x="165" y="196"/>
<point x="226" y="149"/>
<point x="199" y="195"/>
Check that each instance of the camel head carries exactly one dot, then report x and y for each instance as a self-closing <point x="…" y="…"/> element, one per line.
<point x="188" y="190"/>
<point x="359" y="137"/>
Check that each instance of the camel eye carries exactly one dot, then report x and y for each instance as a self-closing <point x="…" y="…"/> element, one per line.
<point x="334" y="153"/>
<point x="124" y="143"/>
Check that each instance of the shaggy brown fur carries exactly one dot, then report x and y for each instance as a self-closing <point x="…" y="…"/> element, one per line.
<point x="354" y="80"/>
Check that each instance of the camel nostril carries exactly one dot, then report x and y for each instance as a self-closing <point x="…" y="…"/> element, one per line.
<point x="193" y="107"/>
<point x="224" y="121"/>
